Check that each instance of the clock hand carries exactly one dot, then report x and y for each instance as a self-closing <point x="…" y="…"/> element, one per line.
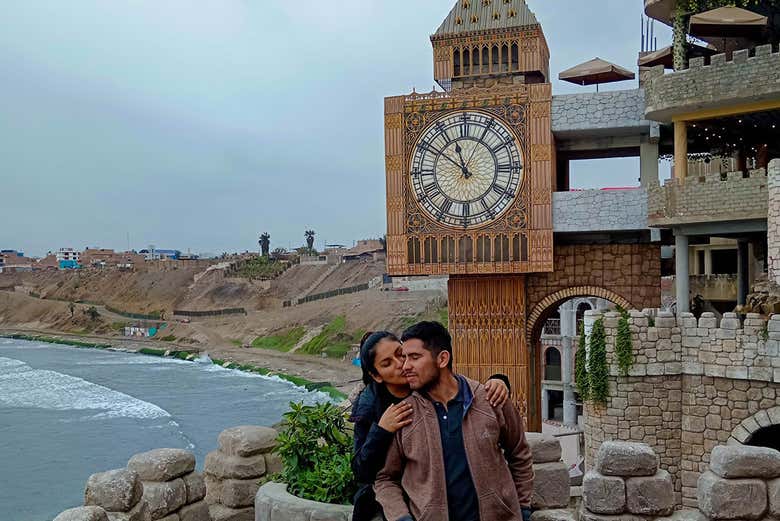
<point x="445" y="156"/>
<point x="463" y="167"/>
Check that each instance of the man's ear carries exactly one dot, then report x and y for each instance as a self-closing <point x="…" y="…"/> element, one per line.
<point x="443" y="360"/>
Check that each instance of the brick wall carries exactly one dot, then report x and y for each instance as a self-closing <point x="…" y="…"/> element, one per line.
<point x="742" y="80"/>
<point x="773" y="221"/>
<point x="599" y="210"/>
<point x="708" y="198"/>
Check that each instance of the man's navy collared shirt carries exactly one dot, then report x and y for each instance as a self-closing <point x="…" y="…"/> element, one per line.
<point x="462" y="501"/>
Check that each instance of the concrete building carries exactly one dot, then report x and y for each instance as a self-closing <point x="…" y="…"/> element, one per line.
<point x="68" y="258"/>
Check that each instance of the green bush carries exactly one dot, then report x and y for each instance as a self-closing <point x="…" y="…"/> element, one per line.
<point x="332" y="341"/>
<point x="580" y="369"/>
<point x="261" y="268"/>
<point x="598" y="370"/>
<point x="624" y="349"/>
<point x="316" y="453"/>
<point x="168" y="338"/>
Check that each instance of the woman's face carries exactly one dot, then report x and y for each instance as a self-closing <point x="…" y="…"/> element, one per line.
<point x="388" y="363"/>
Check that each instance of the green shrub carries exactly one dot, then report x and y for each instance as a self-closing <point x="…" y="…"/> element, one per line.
<point x="316" y="453"/>
<point x="624" y="349"/>
<point x="580" y="369"/>
<point x="168" y="338"/>
<point x="332" y="340"/>
<point x="598" y="370"/>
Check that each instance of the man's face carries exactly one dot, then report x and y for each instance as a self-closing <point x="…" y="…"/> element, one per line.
<point x="420" y="368"/>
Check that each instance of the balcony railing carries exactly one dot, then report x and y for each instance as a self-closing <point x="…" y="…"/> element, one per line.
<point x="552" y="327"/>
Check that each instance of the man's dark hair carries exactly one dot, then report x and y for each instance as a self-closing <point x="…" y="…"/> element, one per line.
<point x="433" y="335"/>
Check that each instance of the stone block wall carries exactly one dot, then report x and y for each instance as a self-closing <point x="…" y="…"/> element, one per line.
<point x="773" y="222"/>
<point x="709" y="198"/>
<point x="742" y="80"/>
<point x="233" y="471"/>
<point x="621" y="109"/>
<point x="600" y="210"/>
<point x="695" y="384"/>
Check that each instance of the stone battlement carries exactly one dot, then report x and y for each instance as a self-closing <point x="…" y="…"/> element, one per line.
<point x="709" y="198"/>
<point x="742" y="80"/>
<point x="685" y="345"/>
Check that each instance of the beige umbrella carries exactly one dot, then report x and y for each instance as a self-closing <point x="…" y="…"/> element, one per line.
<point x="596" y="71"/>
<point x="665" y="56"/>
<point x="728" y="22"/>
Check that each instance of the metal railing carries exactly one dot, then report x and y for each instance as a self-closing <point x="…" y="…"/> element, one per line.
<point x="552" y="327"/>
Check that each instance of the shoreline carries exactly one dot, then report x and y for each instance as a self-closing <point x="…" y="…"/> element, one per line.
<point x="181" y="354"/>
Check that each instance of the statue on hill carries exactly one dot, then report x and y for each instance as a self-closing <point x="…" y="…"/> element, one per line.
<point x="265" y="243"/>
<point x="309" y="234"/>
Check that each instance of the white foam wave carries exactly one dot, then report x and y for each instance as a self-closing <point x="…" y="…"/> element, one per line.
<point x="21" y="386"/>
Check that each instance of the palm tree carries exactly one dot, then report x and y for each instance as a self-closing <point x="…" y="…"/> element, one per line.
<point x="309" y="234"/>
<point x="265" y="243"/>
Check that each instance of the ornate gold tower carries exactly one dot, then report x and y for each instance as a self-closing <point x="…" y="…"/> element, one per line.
<point x="470" y="175"/>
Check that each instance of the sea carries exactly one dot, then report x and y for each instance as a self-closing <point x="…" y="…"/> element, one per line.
<point x="66" y="413"/>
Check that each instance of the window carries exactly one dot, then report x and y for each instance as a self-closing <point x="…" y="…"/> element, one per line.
<point x="515" y="59"/>
<point x="501" y="248"/>
<point x="430" y="251"/>
<point x="466" y="250"/>
<point x="448" y="249"/>
<point x="413" y="253"/>
<point x="485" y="60"/>
<point x="456" y="62"/>
<point x="483" y="249"/>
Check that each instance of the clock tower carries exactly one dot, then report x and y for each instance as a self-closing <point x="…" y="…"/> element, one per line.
<point x="470" y="173"/>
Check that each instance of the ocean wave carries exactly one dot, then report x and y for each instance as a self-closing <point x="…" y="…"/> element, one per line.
<point x="21" y="386"/>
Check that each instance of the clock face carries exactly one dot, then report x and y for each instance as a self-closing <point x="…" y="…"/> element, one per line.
<point x="466" y="169"/>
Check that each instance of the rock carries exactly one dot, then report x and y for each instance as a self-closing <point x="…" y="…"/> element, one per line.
<point x="247" y="440"/>
<point x="239" y="493"/>
<point x="164" y="497"/>
<point x="544" y="448"/>
<point x="552" y="515"/>
<point x="116" y="490"/>
<point x="742" y="461"/>
<point x="590" y="516"/>
<point x="222" y="513"/>
<point x="619" y="458"/>
<point x="223" y="466"/>
<point x="650" y="495"/>
<point x="773" y="491"/>
<point x="195" y="512"/>
<point x="273" y="463"/>
<point x="140" y="512"/>
<point x="551" y="486"/>
<point x="731" y="498"/>
<point x="603" y="494"/>
<point x="91" y="513"/>
<point x="171" y="517"/>
<point x="213" y="489"/>
<point x="685" y="515"/>
<point x="162" y="464"/>
<point x="195" y="486"/>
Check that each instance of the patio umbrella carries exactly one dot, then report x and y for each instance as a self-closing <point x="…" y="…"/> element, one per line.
<point x="596" y="71"/>
<point x="665" y="56"/>
<point x="728" y="22"/>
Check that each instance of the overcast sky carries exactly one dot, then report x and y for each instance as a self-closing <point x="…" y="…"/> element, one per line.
<point x="197" y="125"/>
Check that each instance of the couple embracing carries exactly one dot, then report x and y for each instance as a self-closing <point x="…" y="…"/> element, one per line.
<point x="432" y="445"/>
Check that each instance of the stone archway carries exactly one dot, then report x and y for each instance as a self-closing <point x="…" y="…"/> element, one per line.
<point x="751" y="427"/>
<point x="540" y="309"/>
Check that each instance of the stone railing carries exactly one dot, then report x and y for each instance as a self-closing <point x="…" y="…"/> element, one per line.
<point x="709" y="198"/>
<point x="742" y="80"/>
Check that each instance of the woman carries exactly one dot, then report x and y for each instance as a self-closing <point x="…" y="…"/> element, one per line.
<point x="378" y="414"/>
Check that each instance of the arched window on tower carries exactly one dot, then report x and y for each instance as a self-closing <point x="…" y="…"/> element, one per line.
<point x="501" y="248"/>
<point x="430" y="251"/>
<point x="485" y="60"/>
<point x="448" y="249"/>
<point x="515" y="58"/>
<point x="483" y="249"/>
<point x="466" y="62"/>
<point x="505" y="58"/>
<point x="413" y="245"/>
<point x="475" y="60"/>
<point x="494" y="58"/>
<point x="456" y="62"/>
<point x="465" y="250"/>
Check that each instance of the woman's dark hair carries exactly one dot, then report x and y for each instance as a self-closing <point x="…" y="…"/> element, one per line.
<point x="368" y="352"/>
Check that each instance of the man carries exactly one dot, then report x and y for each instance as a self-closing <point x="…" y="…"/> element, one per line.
<point x="461" y="459"/>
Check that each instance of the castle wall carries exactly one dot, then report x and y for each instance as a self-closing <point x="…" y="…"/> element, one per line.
<point x="695" y="384"/>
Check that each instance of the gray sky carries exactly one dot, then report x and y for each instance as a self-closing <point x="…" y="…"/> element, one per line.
<point x="198" y="125"/>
